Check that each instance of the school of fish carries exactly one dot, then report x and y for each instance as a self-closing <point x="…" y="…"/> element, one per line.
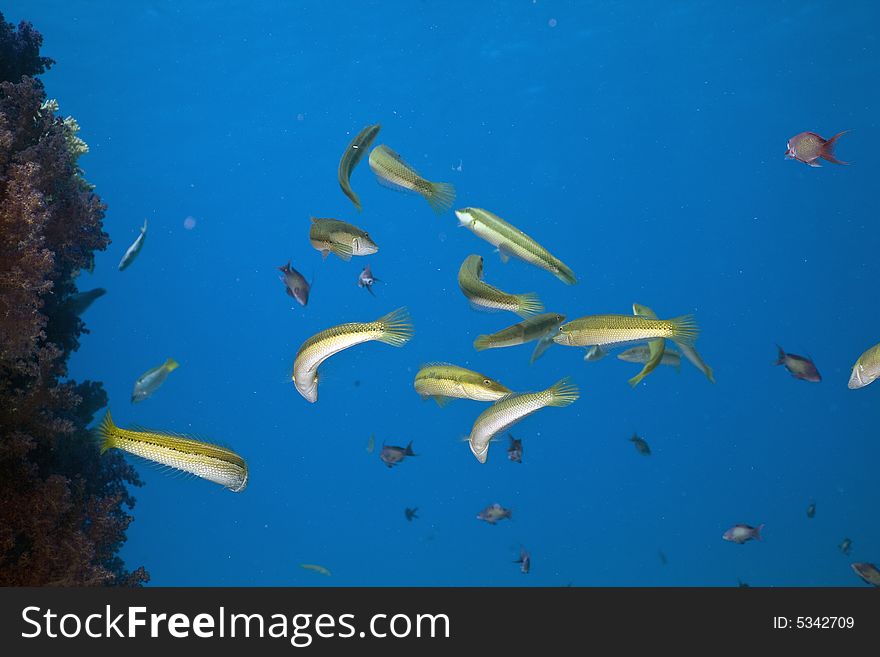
<point x="643" y="338"/>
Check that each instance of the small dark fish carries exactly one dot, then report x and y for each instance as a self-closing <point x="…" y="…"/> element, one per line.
<point x="641" y="445"/>
<point x="410" y="513"/>
<point x="493" y="514"/>
<point x="800" y="367"/>
<point x="366" y="279"/>
<point x="663" y="558"/>
<point x="392" y="455"/>
<point x="79" y="303"/>
<point x="868" y="572"/>
<point x="743" y="585"/>
<point x="741" y="533"/>
<point x="845" y="546"/>
<point x="811" y="510"/>
<point x="515" y="451"/>
<point x="295" y="284"/>
<point x="526" y="560"/>
<point x="808" y="147"/>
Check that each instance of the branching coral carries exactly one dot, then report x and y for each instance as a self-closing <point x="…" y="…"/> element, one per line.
<point x="62" y="506"/>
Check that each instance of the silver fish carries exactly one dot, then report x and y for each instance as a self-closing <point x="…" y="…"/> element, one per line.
<point x="134" y="249"/>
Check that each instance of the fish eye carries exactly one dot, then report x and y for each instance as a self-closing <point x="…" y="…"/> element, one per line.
<point x="488" y="382"/>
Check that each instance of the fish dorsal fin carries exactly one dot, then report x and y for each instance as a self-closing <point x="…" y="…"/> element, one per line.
<point x="438" y="364"/>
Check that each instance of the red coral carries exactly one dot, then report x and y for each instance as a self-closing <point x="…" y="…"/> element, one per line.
<point x="62" y="505"/>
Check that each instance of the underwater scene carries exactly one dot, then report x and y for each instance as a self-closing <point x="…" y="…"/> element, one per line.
<point x="521" y="293"/>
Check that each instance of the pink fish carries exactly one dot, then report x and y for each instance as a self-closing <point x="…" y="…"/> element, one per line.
<point x="808" y="147"/>
<point x="742" y="533"/>
<point x="800" y="367"/>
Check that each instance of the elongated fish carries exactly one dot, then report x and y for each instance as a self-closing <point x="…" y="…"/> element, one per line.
<point x="641" y="354"/>
<point x="149" y="381"/>
<point x="393" y="172"/>
<point x="656" y="347"/>
<point x="442" y="381"/>
<point x="315" y="568"/>
<point x="204" y="460"/>
<point x="691" y="354"/>
<point x="486" y="297"/>
<point x="134" y="249"/>
<point x="350" y="158"/>
<point x="540" y="327"/>
<point x="618" y="330"/>
<point x="343" y="239"/>
<point x="395" y="329"/>
<point x="511" y="241"/>
<point x="503" y="414"/>
<point x="866" y="369"/>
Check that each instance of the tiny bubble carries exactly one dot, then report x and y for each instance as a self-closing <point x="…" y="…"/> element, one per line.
<point x="300" y="116"/>
<point x="552" y="22"/>
<point x="189" y="223"/>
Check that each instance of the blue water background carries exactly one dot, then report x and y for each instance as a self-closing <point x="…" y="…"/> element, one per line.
<point x="642" y="143"/>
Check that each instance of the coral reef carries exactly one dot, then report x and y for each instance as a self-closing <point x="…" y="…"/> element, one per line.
<point x="62" y="507"/>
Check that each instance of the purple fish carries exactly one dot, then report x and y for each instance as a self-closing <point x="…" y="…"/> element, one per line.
<point x="392" y="455"/>
<point x="808" y="147"/>
<point x="295" y="284"/>
<point x="366" y="279"/>
<point x="742" y="533"/>
<point x="515" y="451"/>
<point x="800" y="367"/>
<point x="525" y="560"/>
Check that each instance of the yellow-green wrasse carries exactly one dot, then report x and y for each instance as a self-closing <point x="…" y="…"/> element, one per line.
<point x="866" y="369"/>
<point x="533" y="328"/>
<point x="343" y="239"/>
<point x="392" y="171"/>
<point x="511" y="241"/>
<point x="395" y="329"/>
<point x="656" y="348"/>
<point x="350" y="158"/>
<point x="485" y="297"/>
<point x="442" y="381"/>
<point x="149" y="381"/>
<point x="687" y="350"/>
<point x="211" y="462"/>
<point x="502" y="415"/>
<point x="625" y="329"/>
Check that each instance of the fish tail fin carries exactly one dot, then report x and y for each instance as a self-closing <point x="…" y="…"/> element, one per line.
<point x="396" y="327"/>
<point x="543" y="345"/>
<point x="481" y="343"/>
<point x="781" y="359"/>
<point x="827" y="151"/>
<point x="171" y="364"/>
<point x="758" y="531"/>
<point x="528" y="304"/>
<point x="685" y="329"/>
<point x="563" y="393"/>
<point x="564" y="274"/>
<point x="441" y="196"/>
<point x="710" y="374"/>
<point x="637" y="379"/>
<point x="409" y="450"/>
<point x="106" y="433"/>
